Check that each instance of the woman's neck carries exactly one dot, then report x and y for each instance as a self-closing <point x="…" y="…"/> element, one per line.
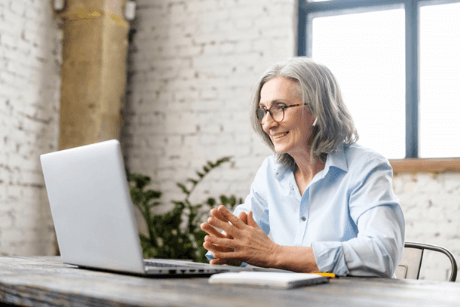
<point x="306" y="170"/>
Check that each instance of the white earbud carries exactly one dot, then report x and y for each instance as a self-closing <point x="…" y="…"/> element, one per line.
<point x="314" y="123"/>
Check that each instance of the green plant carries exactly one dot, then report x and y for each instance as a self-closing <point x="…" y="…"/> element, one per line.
<point x="175" y="234"/>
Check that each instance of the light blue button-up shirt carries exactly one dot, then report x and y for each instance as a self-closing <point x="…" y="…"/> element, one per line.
<point x="348" y="213"/>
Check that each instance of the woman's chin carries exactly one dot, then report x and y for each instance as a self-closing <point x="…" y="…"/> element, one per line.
<point x="280" y="150"/>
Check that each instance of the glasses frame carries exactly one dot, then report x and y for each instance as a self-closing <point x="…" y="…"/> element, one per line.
<point x="271" y="113"/>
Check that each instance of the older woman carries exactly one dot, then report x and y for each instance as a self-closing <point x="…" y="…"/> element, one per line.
<point x="327" y="201"/>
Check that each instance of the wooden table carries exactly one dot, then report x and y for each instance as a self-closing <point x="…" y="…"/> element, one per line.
<point x="45" y="281"/>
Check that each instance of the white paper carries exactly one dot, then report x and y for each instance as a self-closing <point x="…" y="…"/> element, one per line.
<point x="281" y="280"/>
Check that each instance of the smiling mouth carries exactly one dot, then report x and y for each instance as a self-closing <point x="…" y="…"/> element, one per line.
<point x="279" y="135"/>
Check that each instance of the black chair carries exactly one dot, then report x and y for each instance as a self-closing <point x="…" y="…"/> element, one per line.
<point x="411" y="262"/>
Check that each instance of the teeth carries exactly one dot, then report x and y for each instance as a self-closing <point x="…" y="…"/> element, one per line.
<point x="277" y="136"/>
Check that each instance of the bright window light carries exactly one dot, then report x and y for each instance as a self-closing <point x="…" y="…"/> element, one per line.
<point x="366" y="53"/>
<point x="439" y="108"/>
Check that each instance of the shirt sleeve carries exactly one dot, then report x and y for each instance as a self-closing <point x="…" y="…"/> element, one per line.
<point x="378" y="247"/>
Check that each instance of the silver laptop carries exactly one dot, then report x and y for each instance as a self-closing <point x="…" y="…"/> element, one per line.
<point x="93" y="213"/>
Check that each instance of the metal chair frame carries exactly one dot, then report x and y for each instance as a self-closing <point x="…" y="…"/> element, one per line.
<point x="419" y="258"/>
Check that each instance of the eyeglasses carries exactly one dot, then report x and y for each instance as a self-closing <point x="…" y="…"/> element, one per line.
<point x="276" y="111"/>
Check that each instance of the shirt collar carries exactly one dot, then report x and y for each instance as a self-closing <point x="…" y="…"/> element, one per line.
<point x="337" y="160"/>
<point x="334" y="159"/>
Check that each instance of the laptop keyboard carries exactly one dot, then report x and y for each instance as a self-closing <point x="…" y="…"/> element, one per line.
<point x="160" y="265"/>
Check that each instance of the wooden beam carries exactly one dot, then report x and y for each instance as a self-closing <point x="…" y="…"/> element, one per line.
<point x="93" y="76"/>
<point x="425" y="165"/>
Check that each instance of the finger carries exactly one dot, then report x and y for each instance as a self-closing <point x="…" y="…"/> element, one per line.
<point x="243" y="217"/>
<point x="226" y="235"/>
<point x="252" y="222"/>
<point x="211" y="230"/>
<point x="231" y="217"/>
<point x="225" y="261"/>
<point x="214" y="232"/>
<point x="228" y="255"/>
<point x="218" y="215"/>
<point x="218" y="261"/>
<point x="226" y="243"/>
<point x="225" y="226"/>
<point x="216" y="248"/>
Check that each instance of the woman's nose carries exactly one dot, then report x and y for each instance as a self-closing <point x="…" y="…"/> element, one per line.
<point x="268" y="122"/>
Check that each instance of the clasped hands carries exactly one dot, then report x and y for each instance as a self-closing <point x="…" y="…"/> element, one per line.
<point x="241" y="241"/>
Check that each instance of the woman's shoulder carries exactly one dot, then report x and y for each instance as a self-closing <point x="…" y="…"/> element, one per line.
<point x="358" y="154"/>
<point x="271" y="167"/>
<point x="270" y="164"/>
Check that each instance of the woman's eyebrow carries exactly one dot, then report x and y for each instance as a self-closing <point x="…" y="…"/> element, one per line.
<point x="261" y="104"/>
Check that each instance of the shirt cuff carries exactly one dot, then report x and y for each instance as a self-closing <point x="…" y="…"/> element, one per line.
<point x="330" y="258"/>
<point x="210" y="256"/>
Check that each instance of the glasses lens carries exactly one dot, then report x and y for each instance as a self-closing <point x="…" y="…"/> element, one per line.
<point x="277" y="112"/>
<point x="260" y="114"/>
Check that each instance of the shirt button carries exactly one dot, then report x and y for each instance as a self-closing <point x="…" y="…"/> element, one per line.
<point x="304" y="218"/>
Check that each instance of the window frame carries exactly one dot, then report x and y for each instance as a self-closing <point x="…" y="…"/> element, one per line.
<point x="411" y="163"/>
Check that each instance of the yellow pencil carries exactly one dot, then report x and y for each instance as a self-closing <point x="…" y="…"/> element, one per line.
<point x="331" y="275"/>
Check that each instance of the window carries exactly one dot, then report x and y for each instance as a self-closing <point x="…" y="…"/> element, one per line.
<point x="397" y="64"/>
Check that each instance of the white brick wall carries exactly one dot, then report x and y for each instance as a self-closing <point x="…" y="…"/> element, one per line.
<point x="192" y="68"/>
<point x="30" y="56"/>
<point x="193" y="65"/>
<point x="431" y="205"/>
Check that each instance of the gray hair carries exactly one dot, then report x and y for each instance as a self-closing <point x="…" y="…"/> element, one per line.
<point x="321" y="94"/>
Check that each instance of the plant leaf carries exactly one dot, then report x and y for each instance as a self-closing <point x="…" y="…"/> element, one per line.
<point x="183" y="188"/>
<point x="224" y="159"/>
<point x="151" y="194"/>
<point x="224" y="200"/>
<point x="211" y="202"/>
<point x="193" y="181"/>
